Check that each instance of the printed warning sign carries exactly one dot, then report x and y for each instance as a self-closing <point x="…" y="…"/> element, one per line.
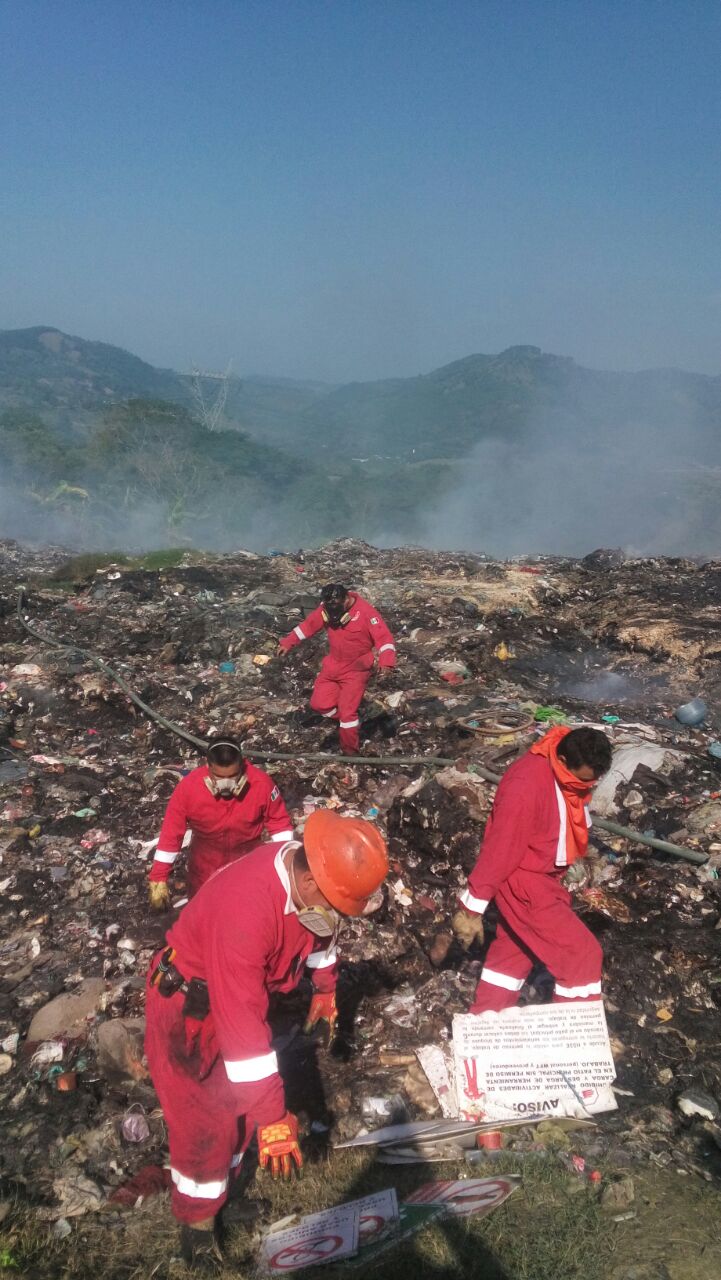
<point x="332" y="1235"/>
<point x="378" y="1216"/>
<point x="320" y="1237"/>
<point x="542" y="1060"/>
<point x="469" y="1197"/>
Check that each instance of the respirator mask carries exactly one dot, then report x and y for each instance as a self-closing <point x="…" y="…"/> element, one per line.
<point x="333" y="608"/>
<point x="335" y="616"/>
<point x="231" y="788"/>
<point x="228" y="788"/>
<point x="324" y="922"/>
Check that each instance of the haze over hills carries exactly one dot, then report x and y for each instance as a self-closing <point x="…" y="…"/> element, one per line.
<point x="515" y="451"/>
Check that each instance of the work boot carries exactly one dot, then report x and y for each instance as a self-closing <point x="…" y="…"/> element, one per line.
<point x="240" y="1211"/>
<point x="199" y="1248"/>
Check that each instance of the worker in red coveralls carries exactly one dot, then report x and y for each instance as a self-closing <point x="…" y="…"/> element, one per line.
<point x="537" y="829"/>
<point x="249" y="932"/>
<point x="355" y="629"/>
<point x="226" y="804"/>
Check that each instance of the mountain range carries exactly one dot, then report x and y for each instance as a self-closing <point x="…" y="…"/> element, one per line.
<point x="377" y="459"/>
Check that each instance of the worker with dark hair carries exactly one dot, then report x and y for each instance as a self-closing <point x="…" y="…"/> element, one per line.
<point x="354" y="629"/>
<point x="537" y="829"/>
<point x="226" y="804"/>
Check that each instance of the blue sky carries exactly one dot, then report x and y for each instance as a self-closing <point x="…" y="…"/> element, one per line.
<point x="356" y="190"/>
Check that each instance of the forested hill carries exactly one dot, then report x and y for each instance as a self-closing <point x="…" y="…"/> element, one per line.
<point x="444" y="413"/>
<point x="101" y="448"/>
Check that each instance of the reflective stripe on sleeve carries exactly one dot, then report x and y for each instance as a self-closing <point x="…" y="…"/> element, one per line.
<point x="247" y="1070"/>
<point x="349" y="724"/>
<point x="578" y="993"/>
<point x="198" y="1190"/>
<point x="236" y="1160"/>
<point x="495" y="979"/>
<point x="385" y="647"/>
<point x="299" y="632"/>
<point x="478" y="905"/>
<point x="322" y="959"/>
<point x="281" y="835"/>
<point x="162" y="856"/>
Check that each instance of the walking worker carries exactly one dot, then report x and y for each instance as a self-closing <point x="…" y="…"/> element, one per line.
<point x="226" y="804"/>
<point x="537" y="829"/>
<point x="355" y="631"/>
<point x="248" y="933"/>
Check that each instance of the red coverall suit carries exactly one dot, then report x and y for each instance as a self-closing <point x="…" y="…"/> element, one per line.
<point x="344" y="673"/>
<point x="223" y="829"/>
<point x="522" y="861"/>
<point x="218" y="1079"/>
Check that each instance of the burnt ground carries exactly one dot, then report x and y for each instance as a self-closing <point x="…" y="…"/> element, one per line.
<point x="84" y="777"/>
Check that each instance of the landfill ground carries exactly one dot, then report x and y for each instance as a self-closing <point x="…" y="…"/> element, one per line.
<point x="483" y="647"/>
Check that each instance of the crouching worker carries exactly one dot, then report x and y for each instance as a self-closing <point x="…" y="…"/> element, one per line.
<point x="248" y="933"/>
<point x="537" y="829"/>
<point x="226" y="805"/>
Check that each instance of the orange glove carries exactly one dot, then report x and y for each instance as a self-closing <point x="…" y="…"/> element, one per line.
<point x="278" y="1143"/>
<point x="322" y="1009"/>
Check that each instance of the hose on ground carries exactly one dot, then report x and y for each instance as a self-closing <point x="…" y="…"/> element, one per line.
<point x="320" y="757"/>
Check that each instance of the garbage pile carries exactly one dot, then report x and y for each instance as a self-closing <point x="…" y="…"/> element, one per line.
<point x="489" y="654"/>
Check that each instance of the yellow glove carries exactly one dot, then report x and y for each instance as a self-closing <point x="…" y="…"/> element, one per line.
<point x="467" y="927"/>
<point x="158" y="895"/>
<point x="278" y="1145"/>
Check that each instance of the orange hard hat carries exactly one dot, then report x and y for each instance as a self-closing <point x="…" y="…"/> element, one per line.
<point x="347" y="857"/>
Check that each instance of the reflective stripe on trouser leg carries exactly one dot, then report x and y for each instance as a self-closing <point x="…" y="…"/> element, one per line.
<point x="587" y="991"/>
<point x="324" y="698"/>
<point x="501" y="980"/>
<point x="198" y="1190"/>
<point x="350" y="694"/>
<point x="506" y="968"/>
<point x="204" y="1128"/>
<point x="537" y="911"/>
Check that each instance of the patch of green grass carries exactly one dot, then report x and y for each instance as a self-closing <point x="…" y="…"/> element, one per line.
<point x="163" y="558"/>
<point x="551" y="1228"/>
<point x="81" y="567"/>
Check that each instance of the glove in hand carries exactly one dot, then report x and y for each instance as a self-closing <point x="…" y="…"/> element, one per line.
<point x="466" y="927"/>
<point x="158" y="895"/>
<point x="323" y="1008"/>
<point x="278" y="1147"/>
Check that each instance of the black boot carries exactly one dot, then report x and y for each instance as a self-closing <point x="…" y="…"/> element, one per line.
<point x="199" y="1249"/>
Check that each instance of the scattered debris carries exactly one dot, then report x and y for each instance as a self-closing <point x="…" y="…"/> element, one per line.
<point x="91" y="774"/>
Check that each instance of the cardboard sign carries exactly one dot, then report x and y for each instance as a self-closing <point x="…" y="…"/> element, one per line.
<point x="320" y="1237"/>
<point x="412" y="1218"/>
<point x="377" y="1216"/>
<point x="542" y="1060"/>
<point x="469" y="1197"/>
<point x="332" y="1235"/>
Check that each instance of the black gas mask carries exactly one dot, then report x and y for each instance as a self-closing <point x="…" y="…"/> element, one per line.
<point x="333" y="606"/>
